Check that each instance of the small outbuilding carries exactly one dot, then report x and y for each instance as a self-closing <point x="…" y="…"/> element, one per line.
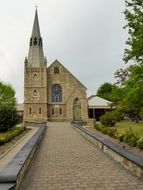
<point x="97" y="107"/>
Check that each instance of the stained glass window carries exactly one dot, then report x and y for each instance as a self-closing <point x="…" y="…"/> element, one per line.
<point x="56" y="93"/>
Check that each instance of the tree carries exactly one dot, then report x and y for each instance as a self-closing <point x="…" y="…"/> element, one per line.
<point x="105" y="90"/>
<point x="7" y="95"/>
<point x="8" y="113"/>
<point x="122" y="76"/>
<point x="110" y="92"/>
<point x="134" y="17"/>
<point x="133" y="91"/>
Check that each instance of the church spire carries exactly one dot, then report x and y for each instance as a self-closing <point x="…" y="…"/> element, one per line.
<point x="36" y="55"/>
<point x="36" y="28"/>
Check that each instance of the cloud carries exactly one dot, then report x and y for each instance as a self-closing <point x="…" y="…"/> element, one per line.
<point x="85" y="35"/>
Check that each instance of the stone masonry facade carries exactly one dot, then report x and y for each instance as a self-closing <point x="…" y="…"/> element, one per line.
<point x="50" y="93"/>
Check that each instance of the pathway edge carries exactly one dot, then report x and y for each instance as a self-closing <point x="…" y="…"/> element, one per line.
<point x="12" y="174"/>
<point x="127" y="159"/>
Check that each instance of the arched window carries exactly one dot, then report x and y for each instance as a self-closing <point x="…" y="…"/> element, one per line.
<point x="35" y="93"/>
<point x="56" y="93"/>
<point x="56" y="70"/>
<point x="35" y="79"/>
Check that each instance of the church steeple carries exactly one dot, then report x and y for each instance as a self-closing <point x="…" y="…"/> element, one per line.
<point x="36" y="28"/>
<point x="36" y="55"/>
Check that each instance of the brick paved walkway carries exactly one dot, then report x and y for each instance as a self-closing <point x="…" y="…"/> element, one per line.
<point x="67" y="161"/>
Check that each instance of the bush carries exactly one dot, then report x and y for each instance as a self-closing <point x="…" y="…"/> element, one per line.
<point x="130" y="137"/>
<point x="108" y="119"/>
<point x="140" y="143"/>
<point x="119" y="136"/>
<point x="111" y="131"/>
<point x="106" y="130"/>
<point x="8" y="118"/>
<point x="11" y="134"/>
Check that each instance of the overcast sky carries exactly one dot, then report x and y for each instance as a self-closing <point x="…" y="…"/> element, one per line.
<point x="86" y="36"/>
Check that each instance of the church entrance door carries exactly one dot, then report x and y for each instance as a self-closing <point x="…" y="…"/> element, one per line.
<point x="76" y="109"/>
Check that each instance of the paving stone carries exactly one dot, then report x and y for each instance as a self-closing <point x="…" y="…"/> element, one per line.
<point x="65" y="160"/>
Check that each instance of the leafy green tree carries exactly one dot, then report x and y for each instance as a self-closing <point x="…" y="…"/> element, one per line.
<point x="134" y="17"/>
<point x="121" y="75"/>
<point x="105" y="90"/>
<point x="7" y="95"/>
<point x="8" y="112"/>
<point x="133" y="91"/>
<point x="110" y="92"/>
<point x="116" y="95"/>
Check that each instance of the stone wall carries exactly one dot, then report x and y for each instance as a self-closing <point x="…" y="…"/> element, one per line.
<point x="128" y="160"/>
<point x="71" y="89"/>
<point x="35" y="94"/>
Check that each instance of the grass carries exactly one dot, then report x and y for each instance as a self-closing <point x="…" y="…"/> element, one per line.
<point x="136" y="127"/>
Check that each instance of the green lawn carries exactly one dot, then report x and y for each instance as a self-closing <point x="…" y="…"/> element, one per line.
<point x="136" y="127"/>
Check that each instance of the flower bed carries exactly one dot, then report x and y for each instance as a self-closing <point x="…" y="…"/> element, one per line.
<point x="128" y="136"/>
<point x="11" y="134"/>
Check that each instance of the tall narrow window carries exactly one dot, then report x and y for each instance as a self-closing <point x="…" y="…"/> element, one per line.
<point x="56" y="93"/>
<point x="40" y="111"/>
<point x="60" y="111"/>
<point x="56" y="70"/>
<point x="30" y="111"/>
<point x="52" y="111"/>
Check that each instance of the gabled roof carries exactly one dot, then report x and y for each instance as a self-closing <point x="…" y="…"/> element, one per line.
<point x="97" y="102"/>
<point x="56" y="61"/>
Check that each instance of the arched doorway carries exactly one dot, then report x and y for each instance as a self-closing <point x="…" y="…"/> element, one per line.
<point x="76" y="109"/>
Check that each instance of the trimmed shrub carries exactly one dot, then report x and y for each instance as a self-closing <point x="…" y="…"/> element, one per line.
<point x="8" y="118"/>
<point x="108" y="119"/>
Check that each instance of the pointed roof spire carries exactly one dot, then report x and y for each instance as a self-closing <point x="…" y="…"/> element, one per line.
<point x="36" y="28"/>
<point x="36" y="55"/>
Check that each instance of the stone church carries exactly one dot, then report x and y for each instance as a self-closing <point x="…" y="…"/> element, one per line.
<point x="50" y="93"/>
